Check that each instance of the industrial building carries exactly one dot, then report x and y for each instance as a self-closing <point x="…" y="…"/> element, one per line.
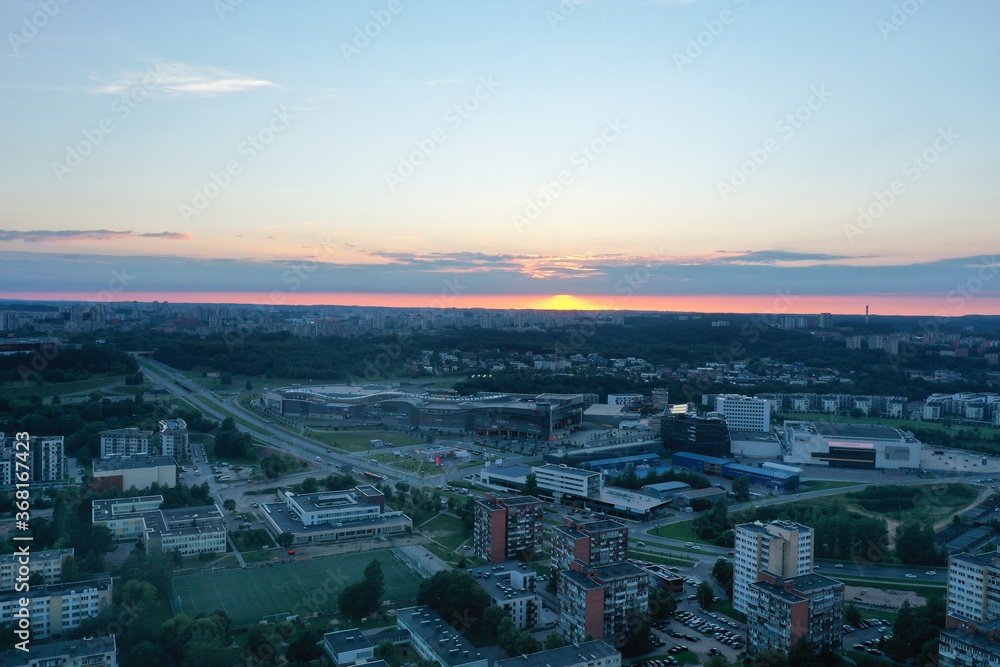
<point x="665" y="490"/>
<point x="576" y="487"/>
<point x="779" y="480"/>
<point x="870" y="446"/>
<point x="140" y="472"/>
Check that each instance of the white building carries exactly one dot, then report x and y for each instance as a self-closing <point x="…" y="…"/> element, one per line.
<point x="47" y="564"/>
<point x="174" y="439"/>
<point x="744" y="413"/>
<point x="141" y="472"/>
<point x="511" y="586"/>
<point x="562" y="480"/>
<point x="783" y="548"/>
<point x="125" y="442"/>
<point x="866" y="446"/>
<point x="346" y="647"/>
<point x="627" y="400"/>
<point x="187" y="530"/>
<point x="86" y="652"/>
<point x="434" y="639"/>
<point x="57" y="609"/>
<point x="595" y="653"/>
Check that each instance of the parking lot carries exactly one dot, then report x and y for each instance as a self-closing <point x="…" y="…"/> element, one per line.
<point x="866" y="636"/>
<point x="703" y="633"/>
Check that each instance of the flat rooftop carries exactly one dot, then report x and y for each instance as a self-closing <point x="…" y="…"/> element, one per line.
<point x="565" y="470"/>
<point x="567" y="655"/>
<point x="450" y="646"/>
<point x="619" y="571"/>
<point x="512" y="472"/>
<point x="132" y="463"/>
<point x="778" y="592"/>
<point x="347" y="640"/>
<point x="812" y="582"/>
<point x="76" y="648"/>
<point x="838" y="430"/>
<point x="115" y="508"/>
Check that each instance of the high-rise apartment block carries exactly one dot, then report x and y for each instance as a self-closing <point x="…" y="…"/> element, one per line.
<point x="126" y="442"/>
<point x="593" y="543"/>
<point x="174" y="439"/>
<point x="507" y="525"/>
<point x="781" y="548"/>
<point x="782" y="611"/>
<point x="596" y="602"/>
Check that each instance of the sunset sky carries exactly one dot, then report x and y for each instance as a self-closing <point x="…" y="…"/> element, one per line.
<point x="690" y="155"/>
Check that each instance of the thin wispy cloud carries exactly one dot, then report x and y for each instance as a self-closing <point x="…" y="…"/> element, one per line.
<point x="179" y="79"/>
<point x="42" y="235"/>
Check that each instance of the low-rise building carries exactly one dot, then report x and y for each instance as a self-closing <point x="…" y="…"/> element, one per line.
<point x="511" y="586"/>
<point x="187" y="530"/>
<point x="587" y="654"/>
<point x="346" y="647"/>
<point x="335" y="516"/>
<point x="140" y="472"/>
<point x="87" y="652"/>
<point x="434" y="639"/>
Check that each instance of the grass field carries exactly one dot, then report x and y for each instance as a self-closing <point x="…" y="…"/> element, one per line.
<point x="357" y="441"/>
<point x="22" y="390"/>
<point x="301" y="587"/>
<point x="445" y="530"/>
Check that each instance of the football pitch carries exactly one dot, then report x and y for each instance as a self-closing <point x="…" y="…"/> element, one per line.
<point x="259" y="593"/>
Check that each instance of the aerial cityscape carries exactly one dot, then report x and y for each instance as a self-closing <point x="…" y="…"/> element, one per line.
<point x="521" y="333"/>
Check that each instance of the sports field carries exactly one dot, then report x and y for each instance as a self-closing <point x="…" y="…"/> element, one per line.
<point x="253" y="594"/>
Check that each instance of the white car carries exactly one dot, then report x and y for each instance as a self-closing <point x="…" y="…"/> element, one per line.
<point x="930" y="573"/>
<point x="910" y="576"/>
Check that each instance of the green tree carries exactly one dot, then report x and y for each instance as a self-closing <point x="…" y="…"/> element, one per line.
<point x="554" y="640"/>
<point x="741" y="488"/>
<point x="229" y="505"/>
<point x="286" y="539"/>
<point x="305" y="648"/>
<point x="661" y="604"/>
<point x="852" y="615"/>
<point x="705" y="595"/>
<point x="723" y="573"/>
<point x="387" y="651"/>
<point x="531" y="485"/>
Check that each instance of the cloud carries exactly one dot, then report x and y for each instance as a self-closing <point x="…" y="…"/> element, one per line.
<point x="178" y="79"/>
<point x="41" y="235"/>
<point x="778" y="256"/>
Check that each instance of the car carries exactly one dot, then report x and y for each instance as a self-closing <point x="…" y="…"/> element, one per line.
<point x="839" y="565"/>
<point x="696" y="548"/>
<point x="641" y="544"/>
<point x="910" y="575"/>
<point x="858" y="647"/>
<point x="930" y="573"/>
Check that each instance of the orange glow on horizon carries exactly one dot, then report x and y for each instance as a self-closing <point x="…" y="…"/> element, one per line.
<point x="882" y="304"/>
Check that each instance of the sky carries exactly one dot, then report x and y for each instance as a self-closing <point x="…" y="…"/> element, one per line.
<point x="648" y="154"/>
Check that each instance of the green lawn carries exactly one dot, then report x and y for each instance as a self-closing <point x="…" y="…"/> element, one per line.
<point x="357" y="441"/>
<point x="22" y="390"/>
<point x="446" y="530"/>
<point x="249" y="595"/>
<point x="680" y="531"/>
<point x="820" y="485"/>
<point x="881" y="584"/>
<point x="660" y="558"/>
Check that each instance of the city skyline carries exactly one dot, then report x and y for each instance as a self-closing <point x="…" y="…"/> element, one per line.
<point x="728" y="156"/>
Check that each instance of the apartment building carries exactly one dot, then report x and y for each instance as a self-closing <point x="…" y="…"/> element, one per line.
<point x="434" y="639"/>
<point x="507" y="525"/>
<point x="781" y="548"/>
<point x="781" y="611"/>
<point x="59" y="608"/>
<point x="970" y="646"/>
<point x="46" y="460"/>
<point x="86" y="652"/>
<point x="596" y="602"/>
<point x="511" y="586"/>
<point x="126" y="442"/>
<point x="593" y="543"/>
<point x="174" y="440"/>
<point x="47" y="564"/>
